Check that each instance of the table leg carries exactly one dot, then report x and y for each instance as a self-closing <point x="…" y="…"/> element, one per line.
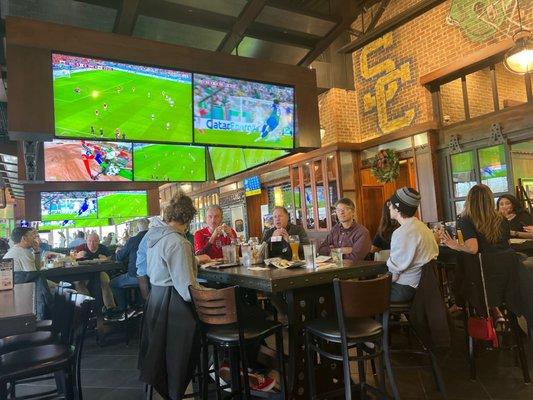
<point x="305" y="304"/>
<point x="98" y="304"/>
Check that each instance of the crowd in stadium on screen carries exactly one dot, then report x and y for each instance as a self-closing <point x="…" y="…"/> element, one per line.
<point x="61" y="61"/>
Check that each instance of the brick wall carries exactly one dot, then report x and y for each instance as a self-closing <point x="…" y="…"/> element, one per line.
<point x="386" y="72"/>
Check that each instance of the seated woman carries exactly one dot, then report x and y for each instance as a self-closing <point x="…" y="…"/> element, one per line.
<point x="484" y="229"/>
<point x="383" y="236"/>
<point x="281" y="230"/>
<point x="511" y="208"/>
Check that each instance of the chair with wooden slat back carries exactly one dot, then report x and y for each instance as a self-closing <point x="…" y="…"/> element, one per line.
<point x="219" y="319"/>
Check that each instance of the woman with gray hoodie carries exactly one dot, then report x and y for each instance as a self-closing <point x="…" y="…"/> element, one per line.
<point x="169" y="347"/>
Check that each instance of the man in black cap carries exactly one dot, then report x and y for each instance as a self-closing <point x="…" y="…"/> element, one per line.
<point x="412" y="245"/>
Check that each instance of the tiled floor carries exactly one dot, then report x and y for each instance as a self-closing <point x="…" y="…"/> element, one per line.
<point x="110" y="373"/>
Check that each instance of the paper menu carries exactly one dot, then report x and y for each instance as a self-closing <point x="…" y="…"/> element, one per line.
<point x="6" y="274"/>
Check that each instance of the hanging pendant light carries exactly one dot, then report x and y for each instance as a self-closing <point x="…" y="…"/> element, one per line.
<point x="519" y="59"/>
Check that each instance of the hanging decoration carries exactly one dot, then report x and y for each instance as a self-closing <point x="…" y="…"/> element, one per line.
<point x="386" y="166"/>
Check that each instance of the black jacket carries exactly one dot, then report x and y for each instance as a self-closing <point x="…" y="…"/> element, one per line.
<point x="282" y="249"/>
<point x="128" y="254"/>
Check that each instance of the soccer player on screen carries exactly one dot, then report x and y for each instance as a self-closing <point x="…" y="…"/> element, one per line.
<point x="271" y="122"/>
<point x="84" y="206"/>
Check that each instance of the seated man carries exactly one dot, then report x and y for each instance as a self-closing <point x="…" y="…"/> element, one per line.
<point x="128" y="256"/>
<point x="92" y="250"/>
<point x="79" y="240"/>
<point x="277" y="237"/>
<point x="412" y="245"/>
<point x="347" y="235"/>
<point x="27" y="261"/>
<point x="209" y="240"/>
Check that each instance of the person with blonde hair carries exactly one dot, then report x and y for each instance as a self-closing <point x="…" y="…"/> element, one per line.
<point x="484" y="229"/>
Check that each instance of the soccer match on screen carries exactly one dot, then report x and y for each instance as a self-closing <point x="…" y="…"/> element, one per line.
<point x="228" y="161"/>
<point x="122" y="204"/>
<point x="83" y="160"/>
<point x="101" y="99"/>
<point x="241" y="113"/>
<point x="170" y="163"/>
<point x="66" y="206"/>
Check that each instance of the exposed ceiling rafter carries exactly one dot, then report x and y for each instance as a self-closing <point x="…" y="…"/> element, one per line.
<point x="126" y="17"/>
<point x="248" y="15"/>
<point x="390" y="25"/>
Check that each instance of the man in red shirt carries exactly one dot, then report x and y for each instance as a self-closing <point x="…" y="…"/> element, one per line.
<point x="209" y="240"/>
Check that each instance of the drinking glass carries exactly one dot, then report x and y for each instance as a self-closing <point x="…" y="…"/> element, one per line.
<point x="254" y="240"/>
<point x="294" y="242"/>
<point x="336" y="257"/>
<point x="309" y="255"/>
<point x="229" y="253"/>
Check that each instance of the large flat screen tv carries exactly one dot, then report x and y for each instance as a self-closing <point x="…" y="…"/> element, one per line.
<point x="65" y="206"/>
<point x="236" y="112"/>
<point x="101" y="99"/>
<point x="166" y="162"/>
<point x="122" y="204"/>
<point x="228" y="161"/>
<point x="84" y="160"/>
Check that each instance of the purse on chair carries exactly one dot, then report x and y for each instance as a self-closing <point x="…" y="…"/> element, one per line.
<point x="482" y="328"/>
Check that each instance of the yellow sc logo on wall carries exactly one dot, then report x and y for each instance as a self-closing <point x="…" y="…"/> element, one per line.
<point x="386" y="86"/>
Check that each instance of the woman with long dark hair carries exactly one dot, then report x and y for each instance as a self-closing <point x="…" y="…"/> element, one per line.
<point x="511" y="208"/>
<point x="387" y="225"/>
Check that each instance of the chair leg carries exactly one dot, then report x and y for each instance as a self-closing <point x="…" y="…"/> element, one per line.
<point x="310" y="368"/>
<point x="361" y="372"/>
<point x="148" y="392"/>
<point x="3" y="390"/>
<point x="381" y="377"/>
<point x="217" y="375"/>
<point x="388" y="365"/>
<point x="245" y="377"/>
<point x="519" y="346"/>
<point x="69" y="383"/>
<point x="235" y="374"/>
<point x="281" y="361"/>
<point x="204" y="370"/>
<point x="346" y="372"/>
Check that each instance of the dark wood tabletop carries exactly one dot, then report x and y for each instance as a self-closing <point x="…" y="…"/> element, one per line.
<point x="80" y="271"/>
<point x="274" y="280"/>
<point x="17" y="310"/>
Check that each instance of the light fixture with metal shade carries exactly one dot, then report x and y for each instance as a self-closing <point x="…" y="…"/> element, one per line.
<point x="519" y="59"/>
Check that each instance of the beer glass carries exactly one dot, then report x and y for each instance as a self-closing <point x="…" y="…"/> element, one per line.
<point x="309" y="255"/>
<point x="336" y="257"/>
<point x="294" y="242"/>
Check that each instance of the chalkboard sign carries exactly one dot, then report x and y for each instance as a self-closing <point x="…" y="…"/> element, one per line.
<point x="6" y="273"/>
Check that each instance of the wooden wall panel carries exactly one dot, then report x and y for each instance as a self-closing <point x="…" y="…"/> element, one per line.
<point x="426" y="187"/>
<point x="253" y="207"/>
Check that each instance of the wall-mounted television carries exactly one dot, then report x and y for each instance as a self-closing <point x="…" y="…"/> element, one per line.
<point x="84" y="160"/>
<point x="228" y="161"/>
<point x="122" y="204"/>
<point x="102" y="99"/>
<point x="166" y="162"/>
<point x="236" y="112"/>
<point x="65" y="206"/>
<point x="252" y="186"/>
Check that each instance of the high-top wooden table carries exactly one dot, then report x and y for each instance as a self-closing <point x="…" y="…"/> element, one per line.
<point x="17" y="310"/>
<point x="86" y="270"/>
<point x="309" y="295"/>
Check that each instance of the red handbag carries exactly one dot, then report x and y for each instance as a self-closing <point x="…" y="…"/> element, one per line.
<point x="482" y="328"/>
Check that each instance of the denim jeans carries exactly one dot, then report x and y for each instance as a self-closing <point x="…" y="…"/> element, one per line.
<point x="401" y="293"/>
<point x="117" y="284"/>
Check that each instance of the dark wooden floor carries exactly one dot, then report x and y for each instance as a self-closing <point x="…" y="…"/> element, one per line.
<point x="110" y="373"/>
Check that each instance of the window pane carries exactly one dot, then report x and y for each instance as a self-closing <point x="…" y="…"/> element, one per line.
<point x="463" y="174"/>
<point x="309" y="207"/>
<point x="321" y="202"/>
<point x="493" y="168"/>
<point x="317" y="166"/>
<point x="332" y="167"/>
<point x="298" y="206"/>
<point x="459" y="206"/>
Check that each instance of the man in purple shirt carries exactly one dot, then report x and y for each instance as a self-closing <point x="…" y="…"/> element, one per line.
<point x="352" y="238"/>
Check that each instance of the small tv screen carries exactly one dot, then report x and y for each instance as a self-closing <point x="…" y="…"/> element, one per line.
<point x="168" y="163"/>
<point x="84" y="160"/>
<point x="241" y="113"/>
<point x="64" y="206"/>
<point x="228" y="161"/>
<point x="102" y="99"/>
<point x="122" y="204"/>
<point x="252" y="186"/>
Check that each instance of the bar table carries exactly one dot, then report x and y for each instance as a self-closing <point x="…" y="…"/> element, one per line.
<point x="17" y="310"/>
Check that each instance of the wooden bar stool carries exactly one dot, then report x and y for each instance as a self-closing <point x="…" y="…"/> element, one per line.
<point x="218" y="313"/>
<point x="362" y="318"/>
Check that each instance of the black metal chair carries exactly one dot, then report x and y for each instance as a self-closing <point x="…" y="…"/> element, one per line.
<point x="64" y="357"/>
<point x="133" y="311"/>
<point x="362" y="317"/>
<point x="218" y="314"/>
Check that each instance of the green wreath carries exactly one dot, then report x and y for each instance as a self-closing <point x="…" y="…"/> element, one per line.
<point x="385" y="166"/>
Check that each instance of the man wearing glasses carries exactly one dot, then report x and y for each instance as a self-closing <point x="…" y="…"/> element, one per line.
<point x="349" y="237"/>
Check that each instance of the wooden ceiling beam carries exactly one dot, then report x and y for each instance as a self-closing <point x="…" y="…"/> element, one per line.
<point x="288" y="6"/>
<point x="395" y="22"/>
<point x="126" y="17"/>
<point x="248" y="15"/>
